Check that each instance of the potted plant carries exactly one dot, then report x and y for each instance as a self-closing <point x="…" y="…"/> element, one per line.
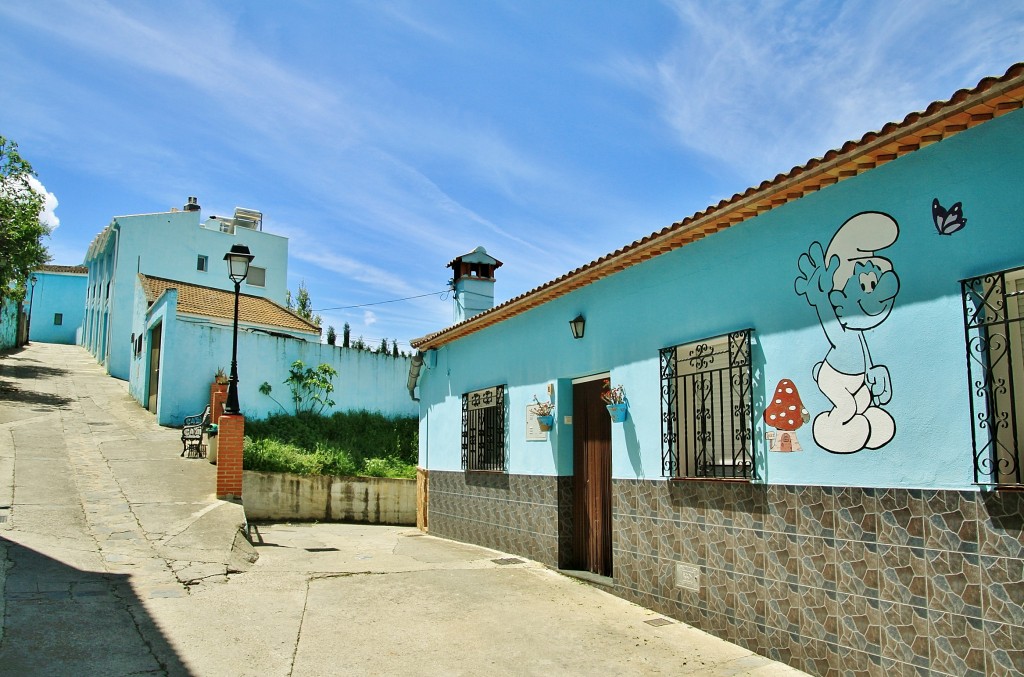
<point x="219" y="377"/>
<point x="615" y="401"/>
<point x="545" y="413"/>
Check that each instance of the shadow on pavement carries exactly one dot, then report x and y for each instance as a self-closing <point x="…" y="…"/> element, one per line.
<point x="64" y="621"/>
<point x="26" y="371"/>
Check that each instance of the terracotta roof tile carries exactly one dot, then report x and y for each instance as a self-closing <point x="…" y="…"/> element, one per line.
<point x="196" y="300"/>
<point x="992" y="97"/>
<point x="77" y="270"/>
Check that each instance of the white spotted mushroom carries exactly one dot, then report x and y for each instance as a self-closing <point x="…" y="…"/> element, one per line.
<point x="786" y="411"/>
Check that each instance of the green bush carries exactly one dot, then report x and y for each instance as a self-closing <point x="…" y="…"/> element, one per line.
<point x="355" y="443"/>
<point x="388" y="467"/>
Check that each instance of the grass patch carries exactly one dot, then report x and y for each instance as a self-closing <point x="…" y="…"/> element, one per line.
<point x="345" y="443"/>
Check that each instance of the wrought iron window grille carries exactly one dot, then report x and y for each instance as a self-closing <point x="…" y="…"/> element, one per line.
<point x="483" y="430"/>
<point x="706" y="408"/>
<point x="993" y="332"/>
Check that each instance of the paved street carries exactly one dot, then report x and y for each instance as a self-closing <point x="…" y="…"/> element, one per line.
<point x="116" y="559"/>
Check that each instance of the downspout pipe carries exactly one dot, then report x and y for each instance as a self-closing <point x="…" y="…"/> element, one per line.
<point x="414" y="374"/>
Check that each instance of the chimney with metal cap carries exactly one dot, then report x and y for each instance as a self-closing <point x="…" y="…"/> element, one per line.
<point x="192" y="205"/>
<point x="473" y="283"/>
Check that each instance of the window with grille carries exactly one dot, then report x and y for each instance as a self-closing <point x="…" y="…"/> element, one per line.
<point x="994" y="332"/>
<point x="257" y="277"/>
<point x="706" y="412"/>
<point x="483" y="429"/>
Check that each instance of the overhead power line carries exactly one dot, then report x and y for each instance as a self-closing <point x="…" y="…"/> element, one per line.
<point x="407" y="298"/>
<point x="378" y="303"/>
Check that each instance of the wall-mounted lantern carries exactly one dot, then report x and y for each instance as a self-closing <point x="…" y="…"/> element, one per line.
<point x="577" y="326"/>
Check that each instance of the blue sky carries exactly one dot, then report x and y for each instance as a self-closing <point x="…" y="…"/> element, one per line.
<point x="386" y="138"/>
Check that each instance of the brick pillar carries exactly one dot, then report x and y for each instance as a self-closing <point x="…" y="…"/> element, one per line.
<point x="231" y="430"/>
<point x="218" y="394"/>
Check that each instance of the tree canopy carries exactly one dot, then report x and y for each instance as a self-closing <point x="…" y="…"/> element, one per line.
<point x="21" y="231"/>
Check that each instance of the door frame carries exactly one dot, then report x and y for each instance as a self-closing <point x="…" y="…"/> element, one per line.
<point x="153" y="371"/>
<point x="592" y="478"/>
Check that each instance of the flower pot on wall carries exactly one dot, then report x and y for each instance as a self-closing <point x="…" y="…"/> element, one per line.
<point x="617" y="412"/>
<point x="546" y="422"/>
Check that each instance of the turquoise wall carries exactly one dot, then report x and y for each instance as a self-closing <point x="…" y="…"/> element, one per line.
<point x="744" y="277"/>
<point x="167" y="245"/>
<point x="62" y="293"/>
<point x="8" y="324"/>
<point x="194" y="350"/>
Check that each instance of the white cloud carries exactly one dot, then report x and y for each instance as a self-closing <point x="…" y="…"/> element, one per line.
<point x="763" y="88"/>
<point x="369" y="318"/>
<point x="48" y="216"/>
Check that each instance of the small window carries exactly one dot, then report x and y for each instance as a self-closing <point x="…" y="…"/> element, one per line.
<point x="58" y="319"/>
<point x="994" y="330"/>
<point x="257" y="277"/>
<point x="707" y="426"/>
<point x="483" y="429"/>
<point x="203" y="263"/>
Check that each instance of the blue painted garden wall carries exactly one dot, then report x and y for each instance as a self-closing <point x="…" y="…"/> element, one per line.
<point x="747" y="276"/>
<point x="8" y="324"/>
<point x="56" y="294"/>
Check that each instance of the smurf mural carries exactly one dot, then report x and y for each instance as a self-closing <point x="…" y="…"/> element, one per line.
<point x="853" y="288"/>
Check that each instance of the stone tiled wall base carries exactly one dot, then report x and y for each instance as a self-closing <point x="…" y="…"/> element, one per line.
<point x="529" y="515"/>
<point x="834" y="581"/>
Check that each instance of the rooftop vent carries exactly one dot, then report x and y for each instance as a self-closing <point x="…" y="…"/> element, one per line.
<point x="192" y="205"/>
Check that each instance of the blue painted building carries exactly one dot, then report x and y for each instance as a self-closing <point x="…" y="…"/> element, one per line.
<point x="824" y="386"/>
<point x="176" y="245"/>
<point x="182" y="335"/>
<point x="56" y="303"/>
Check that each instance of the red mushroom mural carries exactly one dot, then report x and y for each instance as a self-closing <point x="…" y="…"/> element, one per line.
<point x="786" y="413"/>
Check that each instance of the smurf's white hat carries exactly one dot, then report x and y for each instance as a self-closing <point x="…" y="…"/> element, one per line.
<point x="857" y="240"/>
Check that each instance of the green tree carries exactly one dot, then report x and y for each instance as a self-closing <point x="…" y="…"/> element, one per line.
<point x="383" y="350"/>
<point x="304" y="306"/>
<point x="346" y="335"/>
<point x="21" y="231"/>
<point x="332" y="336"/>
<point x="394" y="348"/>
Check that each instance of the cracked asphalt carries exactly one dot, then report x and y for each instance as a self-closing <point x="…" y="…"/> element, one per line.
<point x="117" y="559"/>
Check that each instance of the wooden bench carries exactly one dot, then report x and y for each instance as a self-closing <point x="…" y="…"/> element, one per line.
<point x="192" y="433"/>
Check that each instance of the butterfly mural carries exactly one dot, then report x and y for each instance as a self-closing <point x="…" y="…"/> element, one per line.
<point x="948" y="221"/>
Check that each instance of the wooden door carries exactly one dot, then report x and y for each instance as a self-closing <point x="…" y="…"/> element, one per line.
<point x="592" y="479"/>
<point x="154" y="366"/>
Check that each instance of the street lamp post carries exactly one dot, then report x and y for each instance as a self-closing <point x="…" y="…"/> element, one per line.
<point x="31" y="302"/>
<point x="238" y="268"/>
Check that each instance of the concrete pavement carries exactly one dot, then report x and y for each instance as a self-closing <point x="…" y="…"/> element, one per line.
<point x="116" y="559"/>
